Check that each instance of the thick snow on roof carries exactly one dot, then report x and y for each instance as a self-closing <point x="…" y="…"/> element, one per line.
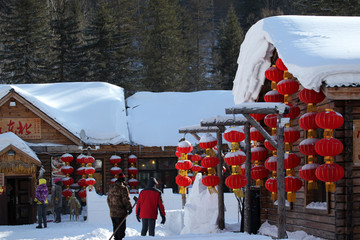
<point x="96" y="107"/>
<point x="155" y="118"/>
<point x="315" y="49"/>
<point x="10" y="138"/>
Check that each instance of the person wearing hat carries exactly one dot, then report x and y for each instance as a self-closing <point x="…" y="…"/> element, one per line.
<point x="147" y="207"/>
<point x="120" y="206"/>
<point x="41" y="195"/>
<point x="56" y="199"/>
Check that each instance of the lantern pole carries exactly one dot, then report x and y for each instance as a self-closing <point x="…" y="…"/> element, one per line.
<point x="247" y="212"/>
<point x="281" y="176"/>
<point x="221" y="215"/>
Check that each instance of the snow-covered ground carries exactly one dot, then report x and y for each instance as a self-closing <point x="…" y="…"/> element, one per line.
<point x="196" y="221"/>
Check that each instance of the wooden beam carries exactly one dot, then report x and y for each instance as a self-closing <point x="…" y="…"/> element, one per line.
<point x="221" y="205"/>
<point x="198" y="129"/>
<point x="263" y="108"/>
<point x="342" y="93"/>
<point x="223" y="121"/>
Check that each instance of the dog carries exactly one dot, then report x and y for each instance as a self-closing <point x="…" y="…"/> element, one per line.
<point x="74" y="207"/>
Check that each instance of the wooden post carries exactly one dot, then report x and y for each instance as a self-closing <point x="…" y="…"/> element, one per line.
<point x="183" y="200"/>
<point x="221" y="213"/>
<point x="281" y="178"/>
<point x="248" y="178"/>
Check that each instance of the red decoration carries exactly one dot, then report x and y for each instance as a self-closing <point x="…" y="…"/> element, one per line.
<point x="67" y="181"/>
<point x="280" y="65"/>
<point x="274" y="74"/>
<point x="82" y="193"/>
<point x="211" y="180"/>
<point x="133" y="159"/>
<point x="330" y="172"/>
<point x="273" y="96"/>
<point x="307" y="146"/>
<point x="67" y="193"/>
<point x="258" y="116"/>
<point x="329" y="120"/>
<point x="287" y="86"/>
<point x="81" y="170"/>
<point x="255" y="135"/>
<point x="89" y="159"/>
<point x="89" y="170"/>
<point x="235" y="181"/>
<point x="259" y="172"/>
<point x="307" y="121"/>
<point x="67" y="170"/>
<point x="67" y="158"/>
<point x="132" y="170"/>
<point x="196" y="168"/>
<point x="184" y="147"/>
<point x="183" y="181"/>
<point x="235" y="134"/>
<point x="307" y="172"/>
<point x="178" y="154"/>
<point x="183" y="165"/>
<point x="115" y="170"/>
<point x="271" y="163"/>
<point x="271" y="185"/>
<point x="133" y="182"/>
<point x="268" y="145"/>
<point x="82" y="182"/>
<point x="207" y="141"/>
<point x="311" y="96"/>
<point x="81" y="159"/>
<point x="258" y="153"/>
<point x="294" y="111"/>
<point x="115" y="159"/>
<point x="196" y="158"/>
<point x="292" y="184"/>
<point x="235" y="158"/>
<point x="90" y="181"/>
<point x="270" y="120"/>
<point x="328" y="147"/>
<point x="291" y="134"/>
<point x="209" y="162"/>
<point x="291" y="160"/>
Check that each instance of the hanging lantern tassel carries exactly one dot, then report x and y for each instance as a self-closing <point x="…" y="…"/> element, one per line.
<point x="238" y="192"/>
<point x="291" y="196"/>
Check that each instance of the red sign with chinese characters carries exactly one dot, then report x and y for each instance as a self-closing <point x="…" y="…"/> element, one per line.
<point x="25" y="128"/>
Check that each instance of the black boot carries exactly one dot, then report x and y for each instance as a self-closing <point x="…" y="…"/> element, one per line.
<point x="39" y="226"/>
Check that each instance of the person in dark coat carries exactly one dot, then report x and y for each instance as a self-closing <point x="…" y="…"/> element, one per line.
<point x="56" y="199"/>
<point x="147" y="207"/>
<point x="41" y="195"/>
<point x="120" y="205"/>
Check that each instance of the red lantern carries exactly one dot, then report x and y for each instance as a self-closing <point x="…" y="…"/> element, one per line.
<point x="209" y="162"/>
<point x="235" y="181"/>
<point x="273" y="96"/>
<point x="235" y="158"/>
<point x="89" y="159"/>
<point x="328" y="147"/>
<point x="115" y="170"/>
<point x="211" y="180"/>
<point x="82" y="182"/>
<point x="271" y="163"/>
<point x="81" y="159"/>
<point x="133" y="182"/>
<point x="183" y="181"/>
<point x="234" y="134"/>
<point x="330" y="172"/>
<point x="67" y="193"/>
<point x="291" y="134"/>
<point x="268" y="145"/>
<point x="189" y="156"/>
<point x="271" y="185"/>
<point x="81" y="170"/>
<point x="307" y="146"/>
<point x="259" y="172"/>
<point x="258" y="116"/>
<point x="67" y="158"/>
<point x="258" y="153"/>
<point x="291" y="160"/>
<point x="292" y="185"/>
<point x="67" y="181"/>
<point x="82" y="193"/>
<point x="270" y="120"/>
<point x="287" y="86"/>
<point x="255" y="135"/>
<point x="280" y="65"/>
<point x="178" y="154"/>
<point x="307" y="121"/>
<point x="196" y="168"/>
<point x="294" y="111"/>
<point x="183" y="165"/>
<point x="207" y="141"/>
<point x="90" y="181"/>
<point x="67" y="170"/>
<point x="311" y="96"/>
<point x="184" y="147"/>
<point x="132" y="170"/>
<point x="115" y="159"/>
<point x="196" y="158"/>
<point x="89" y="170"/>
<point x="307" y="172"/>
<point x="329" y="120"/>
<point x="133" y="159"/>
<point x="274" y="74"/>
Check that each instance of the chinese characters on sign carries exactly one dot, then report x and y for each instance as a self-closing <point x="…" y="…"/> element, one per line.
<point x="356" y="143"/>
<point x="25" y="128"/>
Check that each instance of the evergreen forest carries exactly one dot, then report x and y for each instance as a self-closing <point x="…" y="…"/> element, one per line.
<point x="140" y="45"/>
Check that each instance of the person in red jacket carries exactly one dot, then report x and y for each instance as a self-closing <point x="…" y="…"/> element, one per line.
<point x="147" y="207"/>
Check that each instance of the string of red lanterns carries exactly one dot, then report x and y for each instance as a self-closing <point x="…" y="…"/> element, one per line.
<point x="81" y="171"/>
<point x="90" y="181"/>
<point x="183" y="165"/>
<point x="115" y="170"/>
<point x="67" y="170"/>
<point x="133" y="171"/>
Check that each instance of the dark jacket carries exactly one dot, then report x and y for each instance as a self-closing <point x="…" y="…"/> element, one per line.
<point x="118" y="200"/>
<point x="150" y="201"/>
<point x="56" y="195"/>
<point x="41" y="192"/>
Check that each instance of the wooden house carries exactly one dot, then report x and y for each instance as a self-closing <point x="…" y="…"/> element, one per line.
<point x="321" y="54"/>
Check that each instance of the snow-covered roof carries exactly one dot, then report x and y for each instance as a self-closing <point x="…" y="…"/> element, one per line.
<point x="9" y="138"/>
<point x="316" y="50"/>
<point x="98" y="108"/>
<point x="155" y="118"/>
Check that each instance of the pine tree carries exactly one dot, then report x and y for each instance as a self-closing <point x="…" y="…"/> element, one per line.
<point x="229" y="40"/>
<point x="161" y="46"/>
<point x="23" y="39"/>
<point x="327" y="7"/>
